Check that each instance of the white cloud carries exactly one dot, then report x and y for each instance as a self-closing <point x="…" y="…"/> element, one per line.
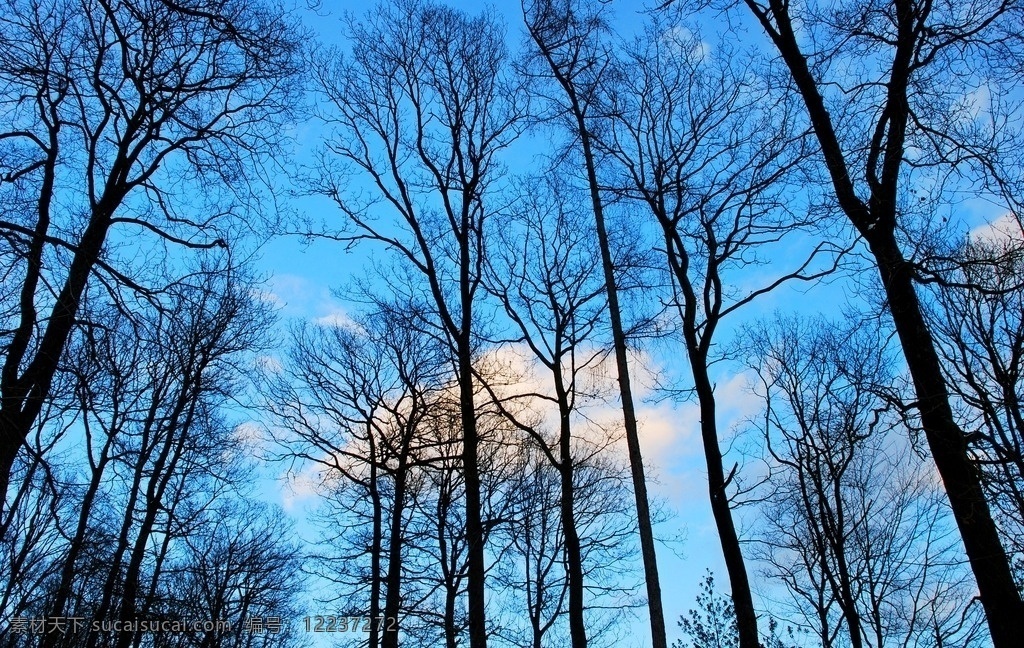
<point x="288" y="289"/>
<point x="669" y="433"/>
<point x="1005" y="228"/>
<point x="248" y="432"/>
<point x="297" y="296"/>
<point x="268" y="363"/>
<point x="681" y="40"/>
<point x="300" y="488"/>
<point x="978" y="104"/>
<point x="267" y="297"/>
<point x="338" y="319"/>
<point x="248" y="440"/>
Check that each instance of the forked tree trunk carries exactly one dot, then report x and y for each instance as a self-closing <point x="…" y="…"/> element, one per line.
<point x="721" y="508"/>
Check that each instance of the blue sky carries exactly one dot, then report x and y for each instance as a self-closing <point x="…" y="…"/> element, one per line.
<point x="302" y="278"/>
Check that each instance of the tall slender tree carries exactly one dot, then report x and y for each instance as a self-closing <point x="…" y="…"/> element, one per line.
<point x="544" y="276"/>
<point x="880" y="125"/>
<point x="700" y="147"/>
<point x="565" y="34"/>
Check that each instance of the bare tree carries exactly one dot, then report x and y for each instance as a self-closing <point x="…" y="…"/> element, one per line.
<point x="979" y="324"/>
<point x="884" y="87"/>
<point x="355" y="403"/>
<point x="174" y="452"/>
<point x="566" y="33"/>
<point x="535" y="549"/>
<point x="420" y="111"/>
<point x="33" y="547"/>
<point x="153" y="439"/>
<point x="532" y="569"/>
<point x="35" y="526"/>
<point x="547" y="281"/>
<point x="122" y="118"/>
<point x="242" y="565"/>
<point x="699" y="143"/>
<point x="437" y="564"/>
<point x="156" y="466"/>
<point x="439" y="561"/>
<point x="854" y="525"/>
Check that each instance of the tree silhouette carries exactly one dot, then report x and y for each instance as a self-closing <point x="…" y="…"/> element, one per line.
<point x="122" y="118"/>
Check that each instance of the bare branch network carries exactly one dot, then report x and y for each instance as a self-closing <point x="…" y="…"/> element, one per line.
<point x="748" y="271"/>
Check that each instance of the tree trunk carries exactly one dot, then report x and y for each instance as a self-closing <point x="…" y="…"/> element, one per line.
<point x="876" y="221"/>
<point x="373" y="638"/>
<point x="451" y="633"/>
<point x="51" y="640"/>
<point x="743" y="602"/>
<point x="998" y="592"/>
<point x="475" y="567"/>
<point x="636" y="461"/>
<point x="23" y="397"/>
<point x="162" y="472"/>
<point x="393" y="600"/>
<point x="636" y="464"/>
<point x="10" y="442"/>
<point x="573" y="551"/>
<point x="107" y="599"/>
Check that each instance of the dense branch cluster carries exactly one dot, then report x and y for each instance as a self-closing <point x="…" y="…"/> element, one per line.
<point x="568" y="218"/>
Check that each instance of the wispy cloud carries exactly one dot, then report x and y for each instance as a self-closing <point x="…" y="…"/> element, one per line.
<point x="1005" y="228"/>
<point x="299" y="297"/>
